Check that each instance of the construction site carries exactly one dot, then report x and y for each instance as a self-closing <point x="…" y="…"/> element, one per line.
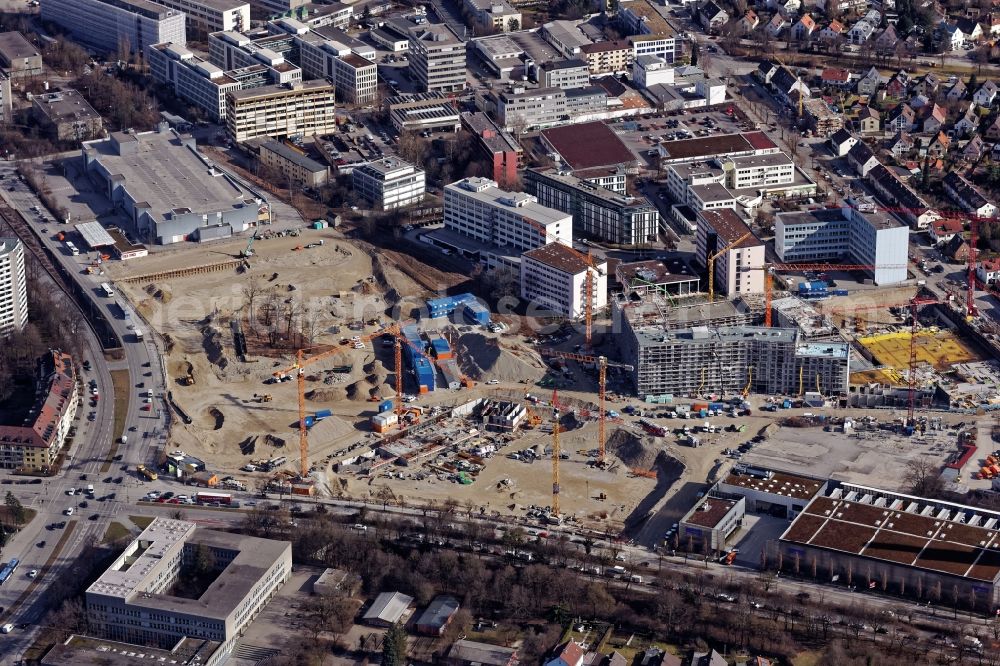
<point x="286" y="379"/>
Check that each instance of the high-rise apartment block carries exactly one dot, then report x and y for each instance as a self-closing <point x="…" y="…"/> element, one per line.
<point x="13" y="287"/>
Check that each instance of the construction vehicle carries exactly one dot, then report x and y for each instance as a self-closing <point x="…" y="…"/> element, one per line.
<point x="265" y="397"/>
<point x="602" y="366"/>
<point x="146" y="472"/>
<point x="248" y="251"/>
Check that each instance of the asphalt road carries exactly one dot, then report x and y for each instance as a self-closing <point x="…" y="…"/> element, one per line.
<point x="146" y="430"/>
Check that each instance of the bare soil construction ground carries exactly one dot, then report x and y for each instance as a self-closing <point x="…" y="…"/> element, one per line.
<point x="338" y="283"/>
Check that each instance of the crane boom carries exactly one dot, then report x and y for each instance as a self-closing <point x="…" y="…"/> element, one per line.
<point x="602" y="370"/>
<point x="711" y="263"/>
<point x="779" y="267"/>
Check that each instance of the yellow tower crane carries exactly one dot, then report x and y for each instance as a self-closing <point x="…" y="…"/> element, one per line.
<point x="711" y="264"/>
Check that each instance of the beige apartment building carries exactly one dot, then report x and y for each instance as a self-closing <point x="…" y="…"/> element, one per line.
<point x="302" y="109"/>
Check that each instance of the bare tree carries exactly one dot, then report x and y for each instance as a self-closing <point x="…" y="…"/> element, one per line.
<point x="251" y="290"/>
<point x="923" y="478"/>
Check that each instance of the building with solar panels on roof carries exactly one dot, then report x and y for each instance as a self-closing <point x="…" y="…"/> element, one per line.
<point x="928" y="549"/>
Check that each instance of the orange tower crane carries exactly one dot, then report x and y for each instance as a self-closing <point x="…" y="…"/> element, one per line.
<point x="302" y="361"/>
<point x="602" y="364"/>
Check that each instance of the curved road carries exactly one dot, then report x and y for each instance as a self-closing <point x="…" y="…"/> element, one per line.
<point x="146" y="431"/>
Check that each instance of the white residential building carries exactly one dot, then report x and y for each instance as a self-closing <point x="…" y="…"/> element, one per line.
<point x="305" y="109"/>
<point x="477" y="208"/>
<point x="13" y="288"/>
<point x="554" y="277"/>
<point x="496" y="15"/>
<point x="389" y="183"/>
<point x="213" y="15"/>
<point x="845" y="233"/>
<point x="107" y="25"/>
<point x="738" y="264"/>
<point x="193" y="79"/>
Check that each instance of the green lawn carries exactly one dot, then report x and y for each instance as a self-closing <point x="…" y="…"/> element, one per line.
<point x="122" y="385"/>
<point x="115" y="532"/>
<point x="141" y="521"/>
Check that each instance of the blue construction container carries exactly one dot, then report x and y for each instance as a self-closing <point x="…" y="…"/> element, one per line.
<point x="475" y="312"/>
<point x="717" y="406"/>
<point x="442" y="307"/>
<point x="322" y="414"/>
<point x="441" y="348"/>
<point x="839" y="292"/>
<point x="385" y="406"/>
<point x="423" y="373"/>
<point x="813" y="286"/>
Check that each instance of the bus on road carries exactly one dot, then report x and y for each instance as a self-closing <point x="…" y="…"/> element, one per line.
<point x="108" y="291"/>
<point x="8" y="570"/>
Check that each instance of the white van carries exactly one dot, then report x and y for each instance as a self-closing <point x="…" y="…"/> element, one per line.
<point x="69" y="511"/>
<point x="7" y="628"/>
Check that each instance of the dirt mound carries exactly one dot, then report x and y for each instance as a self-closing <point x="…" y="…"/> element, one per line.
<point x="483" y="358"/>
<point x="220" y="419"/>
<point x="632" y="450"/>
<point x="359" y="391"/>
<point x="325" y="395"/>
<point x="162" y="294"/>
<point x="214" y="346"/>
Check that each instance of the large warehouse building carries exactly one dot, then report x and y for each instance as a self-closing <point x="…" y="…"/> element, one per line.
<point x="924" y="548"/>
<point x="169" y="191"/>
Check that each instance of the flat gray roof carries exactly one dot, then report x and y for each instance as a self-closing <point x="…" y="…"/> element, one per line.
<point x="90" y="651"/>
<point x="293" y="156"/>
<point x="278" y="90"/>
<point x="14" y="45"/>
<point x="527" y="206"/>
<point x="163" y="538"/>
<point x="94" y="235"/>
<point x="723" y="334"/>
<point x="8" y="245"/>
<point x="388" y="607"/>
<point x="64" y="104"/>
<point x="166" y="174"/>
